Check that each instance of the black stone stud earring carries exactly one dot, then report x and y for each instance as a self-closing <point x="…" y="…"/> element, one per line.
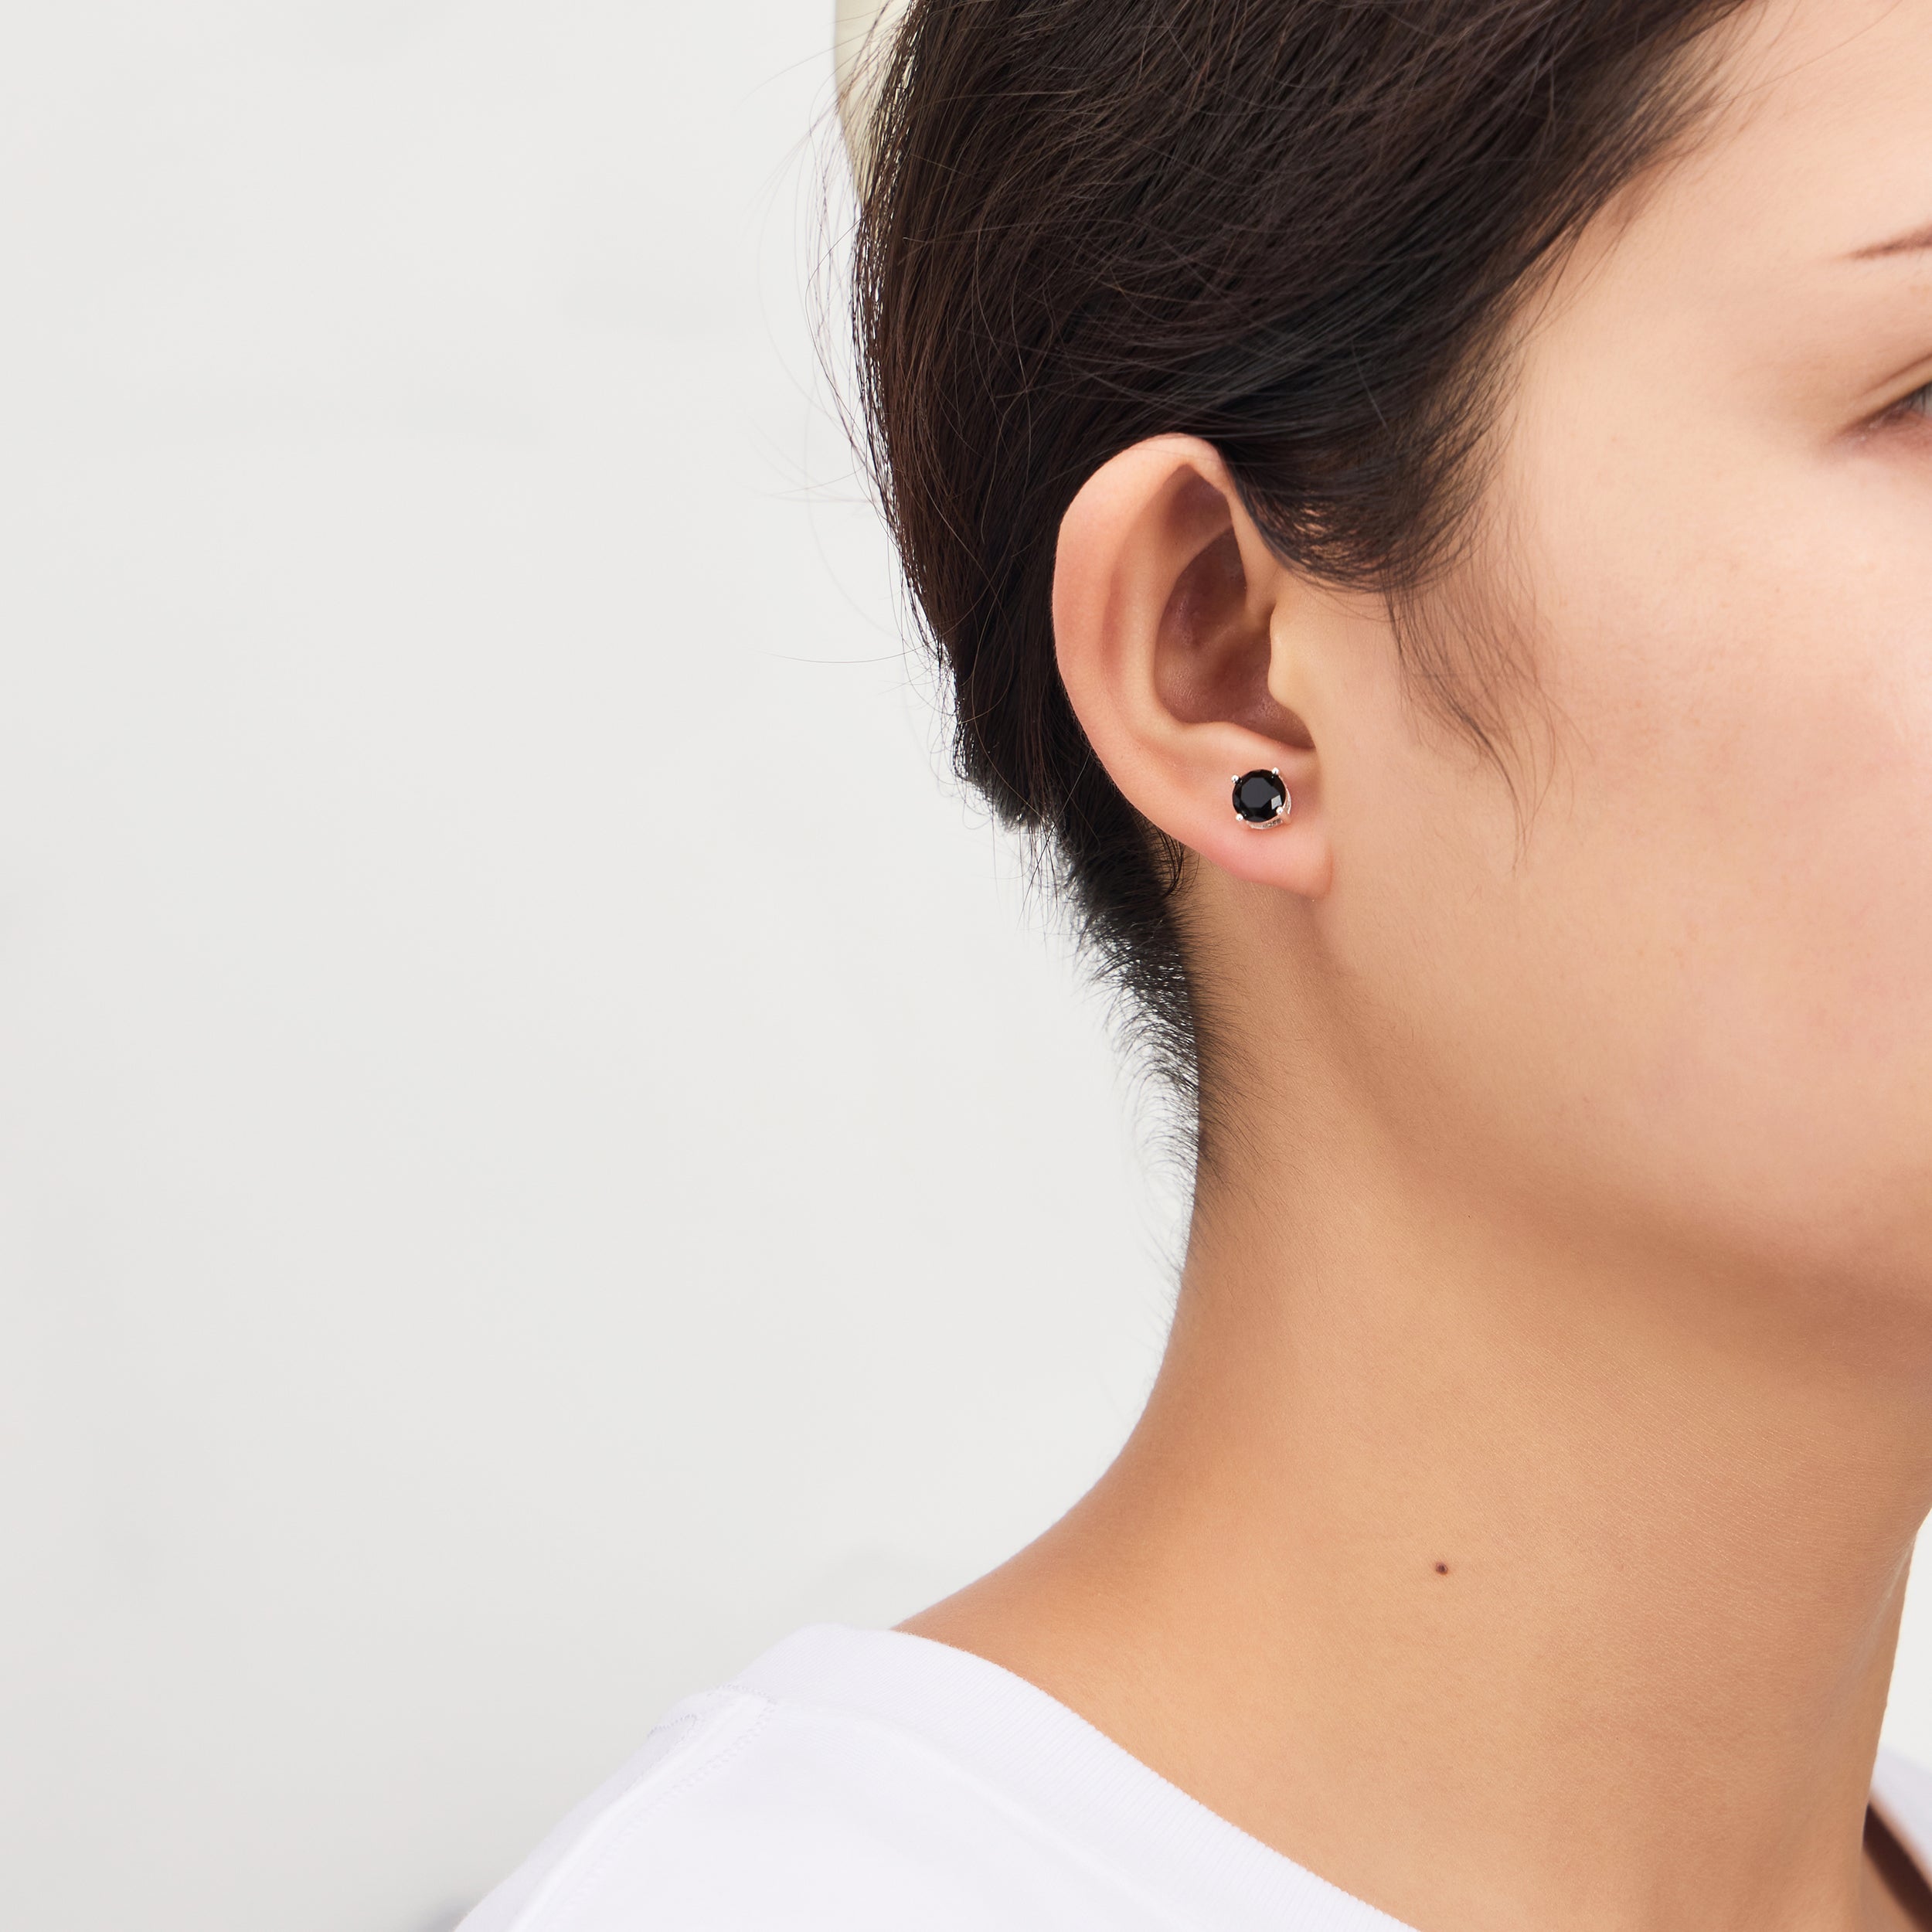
<point x="1261" y="800"/>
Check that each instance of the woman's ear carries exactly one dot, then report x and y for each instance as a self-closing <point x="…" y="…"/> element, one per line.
<point x="1176" y="629"/>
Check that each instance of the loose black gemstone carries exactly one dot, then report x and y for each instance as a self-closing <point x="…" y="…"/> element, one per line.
<point x="1260" y="797"/>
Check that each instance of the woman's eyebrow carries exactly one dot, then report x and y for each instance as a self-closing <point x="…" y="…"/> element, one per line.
<point x="1919" y="239"/>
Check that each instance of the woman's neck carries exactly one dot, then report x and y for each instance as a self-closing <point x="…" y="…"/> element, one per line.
<point x="1506" y="1591"/>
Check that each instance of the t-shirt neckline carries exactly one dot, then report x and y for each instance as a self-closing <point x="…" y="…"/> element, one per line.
<point x="1073" y="1780"/>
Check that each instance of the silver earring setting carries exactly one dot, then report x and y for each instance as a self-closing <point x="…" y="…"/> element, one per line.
<point x="1261" y="799"/>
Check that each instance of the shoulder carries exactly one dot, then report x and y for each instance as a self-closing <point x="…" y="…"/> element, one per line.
<point x="756" y="1807"/>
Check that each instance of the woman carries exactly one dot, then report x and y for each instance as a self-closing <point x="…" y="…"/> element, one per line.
<point x="1426" y="507"/>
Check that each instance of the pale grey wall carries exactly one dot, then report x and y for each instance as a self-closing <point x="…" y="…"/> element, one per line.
<point x="537" y="1147"/>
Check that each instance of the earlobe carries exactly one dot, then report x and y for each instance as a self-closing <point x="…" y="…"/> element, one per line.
<point x="1176" y="628"/>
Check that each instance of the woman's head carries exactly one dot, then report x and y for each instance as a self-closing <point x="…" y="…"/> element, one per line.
<point x="1468" y="407"/>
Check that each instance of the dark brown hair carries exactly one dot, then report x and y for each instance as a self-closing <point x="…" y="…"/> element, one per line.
<point x="1296" y="228"/>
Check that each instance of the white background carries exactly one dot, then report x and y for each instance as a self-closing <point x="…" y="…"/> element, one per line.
<point x="540" y="1143"/>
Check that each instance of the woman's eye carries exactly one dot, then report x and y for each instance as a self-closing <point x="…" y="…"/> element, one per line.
<point x="1918" y="403"/>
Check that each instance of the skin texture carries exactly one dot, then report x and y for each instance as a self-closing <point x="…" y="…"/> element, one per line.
<point x="1518" y="1529"/>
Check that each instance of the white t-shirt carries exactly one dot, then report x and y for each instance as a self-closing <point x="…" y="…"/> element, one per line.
<point x="861" y="1781"/>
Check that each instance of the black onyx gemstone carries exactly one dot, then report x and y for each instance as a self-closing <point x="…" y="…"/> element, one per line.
<point x="1260" y="797"/>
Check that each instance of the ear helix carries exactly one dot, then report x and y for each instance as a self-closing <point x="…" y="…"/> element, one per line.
<point x="1261" y="799"/>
